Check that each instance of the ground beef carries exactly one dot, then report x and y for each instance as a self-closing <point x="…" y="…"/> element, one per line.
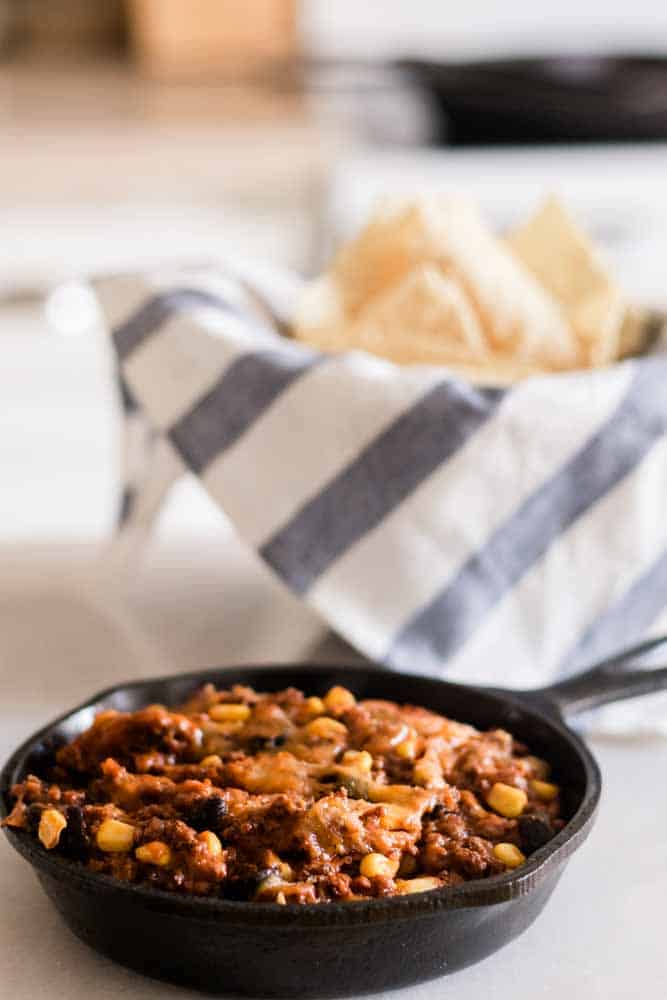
<point x="290" y="799"/>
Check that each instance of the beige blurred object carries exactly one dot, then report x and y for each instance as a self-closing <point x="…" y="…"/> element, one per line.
<point x="177" y="39"/>
<point x="69" y="27"/>
<point x="8" y="25"/>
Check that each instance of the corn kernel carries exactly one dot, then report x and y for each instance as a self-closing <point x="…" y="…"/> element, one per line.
<point x="114" y="836"/>
<point x="314" y="706"/>
<point x="212" y="760"/>
<point x="427" y="773"/>
<point x="212" y="842"/>
<point x="226" y="712"/>
<point x="424" y="884"/>
<point x="378" y="866"/>
<point x="360" y="760"/>
<point x="280" y="899"/>
<point x="407" y="749"/>
<point x="338" y="700"/>
<point x="155" y="853"/>
<point x="509" y="855"/>
<point x="544" y="790"/>
<point x="507" y="800"/>
<point x="324" y="728"/>
<point x="51" y="825"/>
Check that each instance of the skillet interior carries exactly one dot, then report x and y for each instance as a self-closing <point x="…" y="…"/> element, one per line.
<point x="536" y="723"/>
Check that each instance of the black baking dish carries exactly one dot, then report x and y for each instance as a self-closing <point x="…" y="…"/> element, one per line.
<point x="227" y="947"/>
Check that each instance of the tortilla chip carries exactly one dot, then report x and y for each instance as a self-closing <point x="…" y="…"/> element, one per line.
<point x="396" y="240"/>
<point x="563" y="260"/>
<point x="597" y="322"/>
<point x="425" y="319"/>
<point x="496" y="372"/>
<point x="519" y="318"/>
<point x="515" y="313"/>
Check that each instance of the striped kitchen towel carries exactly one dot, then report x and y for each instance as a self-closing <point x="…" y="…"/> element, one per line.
<point x="495" y="535"/>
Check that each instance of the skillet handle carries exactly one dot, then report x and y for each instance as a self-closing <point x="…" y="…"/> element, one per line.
<point x="613" y="679"/>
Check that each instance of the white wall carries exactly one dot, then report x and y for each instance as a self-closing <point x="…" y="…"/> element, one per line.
<point x="377" y="28"/>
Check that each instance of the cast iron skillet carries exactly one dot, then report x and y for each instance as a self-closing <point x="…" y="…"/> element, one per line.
<point x="569" y="98"/>
<point x="223" y="946"/>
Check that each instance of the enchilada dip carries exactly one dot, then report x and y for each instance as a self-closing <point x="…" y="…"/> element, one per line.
<point x="286" y="798"/>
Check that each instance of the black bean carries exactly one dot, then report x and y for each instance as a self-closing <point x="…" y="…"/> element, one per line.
<point x="438" y="812"/>
<point x="357" y="787"/>
<point x="74" y="840"/>
<point x="259" y="743"/>
<point x="243" y="889"/>
<point x="534" y="832"/>
<point x="209" y="814"/>
<point x="33" y="816"/>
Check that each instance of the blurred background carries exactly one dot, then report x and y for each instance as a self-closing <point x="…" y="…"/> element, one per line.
<point x="146" y="131"/>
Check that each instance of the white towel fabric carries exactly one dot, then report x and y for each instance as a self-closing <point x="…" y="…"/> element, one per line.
<point x="502" y="536"/>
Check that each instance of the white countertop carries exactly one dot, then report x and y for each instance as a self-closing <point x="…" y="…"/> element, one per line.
<point x="191" y="605"/>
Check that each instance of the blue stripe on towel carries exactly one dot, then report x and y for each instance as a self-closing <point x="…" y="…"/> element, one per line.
<point x="242" y="393"/>
<point x="386" y="471"/>
<point x="631" y="615"/>
<point x="148" y="319"/>
<point x="444" y="624"/>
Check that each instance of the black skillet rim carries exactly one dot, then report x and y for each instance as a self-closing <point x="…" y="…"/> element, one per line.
<point x="482" y="892"/>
